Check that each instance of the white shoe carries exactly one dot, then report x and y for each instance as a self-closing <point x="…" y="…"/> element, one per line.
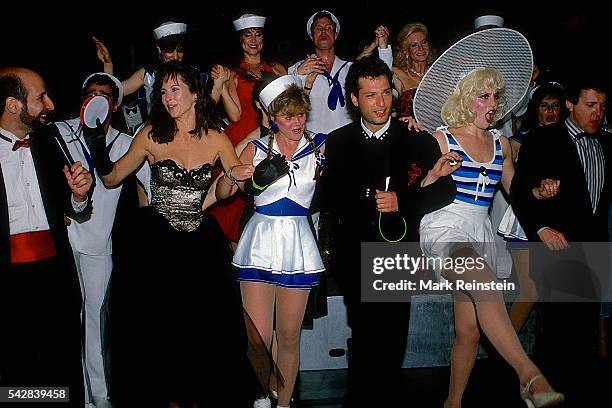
<point x="101" y="402"/>
<point x="262" y="403"/>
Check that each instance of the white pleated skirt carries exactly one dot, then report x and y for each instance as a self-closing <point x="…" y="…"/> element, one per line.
<point x="458" y="223"/>
<point x="279" y="250"/>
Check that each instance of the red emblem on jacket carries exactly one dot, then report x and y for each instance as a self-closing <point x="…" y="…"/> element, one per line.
<point x="414" y="173"/>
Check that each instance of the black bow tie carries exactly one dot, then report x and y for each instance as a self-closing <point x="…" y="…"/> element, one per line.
<point x="131" y="111"/>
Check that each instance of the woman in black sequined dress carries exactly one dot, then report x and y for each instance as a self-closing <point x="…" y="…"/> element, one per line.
<point x="183" y="339"/>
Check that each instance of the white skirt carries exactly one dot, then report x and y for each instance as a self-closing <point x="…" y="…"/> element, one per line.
<point x="458" y="223"/>
<point x="279" y="250"/>
<point x="509" y="226"/>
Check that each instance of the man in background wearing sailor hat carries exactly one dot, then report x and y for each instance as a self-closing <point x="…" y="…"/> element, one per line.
<point x="91" y="241"/>
<point x="323" y="73"/>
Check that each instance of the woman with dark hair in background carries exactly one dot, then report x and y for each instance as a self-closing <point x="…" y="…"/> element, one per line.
<point x="237" y="101"/>
<point x="183" y="297"/>
<point x="170" y="42"/>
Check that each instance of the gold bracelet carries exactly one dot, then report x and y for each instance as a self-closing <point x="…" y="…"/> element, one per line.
<point x="229" y="174"/>
<point x="232" y="180"/>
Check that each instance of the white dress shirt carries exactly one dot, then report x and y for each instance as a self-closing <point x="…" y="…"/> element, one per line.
<point x="25" y="204"/>
<point x="321" y="118"/>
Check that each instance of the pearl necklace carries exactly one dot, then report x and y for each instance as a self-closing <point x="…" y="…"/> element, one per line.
<point x="419" y="74"/>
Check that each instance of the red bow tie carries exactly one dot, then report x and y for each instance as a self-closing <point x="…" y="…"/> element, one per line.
<point x="21" y="143"/>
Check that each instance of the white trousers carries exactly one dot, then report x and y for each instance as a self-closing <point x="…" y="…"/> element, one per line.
<point x="94" y="274"/>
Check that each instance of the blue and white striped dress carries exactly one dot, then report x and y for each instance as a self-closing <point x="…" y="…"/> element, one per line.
<point x="277" y="245"/>
<point x="466" y="219"/>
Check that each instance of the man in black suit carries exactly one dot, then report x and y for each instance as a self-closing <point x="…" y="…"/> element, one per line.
<point x="40" y="299"/>
<point x="577" y="154"/>
<point x="359" y="158"/>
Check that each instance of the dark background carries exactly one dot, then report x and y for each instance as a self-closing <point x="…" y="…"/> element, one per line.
<point x="55" y="39"/>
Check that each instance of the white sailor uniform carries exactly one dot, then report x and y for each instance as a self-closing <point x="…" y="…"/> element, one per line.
<point x="92" y="247"/>
<point x="329" y="108"/>
<point x="278" y="246"/>
<point x="466" y="219"/>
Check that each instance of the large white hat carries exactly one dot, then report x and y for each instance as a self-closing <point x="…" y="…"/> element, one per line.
<point x="506" y="50"/>
<point x="311" y="20"/>
<point x="169" y="28"/>
<point x="488" y="20"/>
<point x="114" y="79"/>
<point x="249" y="21"/>
<point x="275" y="88"/>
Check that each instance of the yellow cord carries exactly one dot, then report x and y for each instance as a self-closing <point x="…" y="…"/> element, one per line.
<point x="383" y="235"/>
<point x="256" y="186"/>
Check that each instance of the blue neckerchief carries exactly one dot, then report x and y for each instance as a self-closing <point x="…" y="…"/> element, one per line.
<point x="335" y="93"/>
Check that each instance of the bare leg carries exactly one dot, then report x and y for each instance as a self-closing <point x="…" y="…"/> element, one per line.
<point x="273" y="384"/>
<point x="495" y="323"/>
<point x="465" y="347"/>
<point x="521" y="308"/>
<point x="258" y="302"/>
<point x="291" y="304"/>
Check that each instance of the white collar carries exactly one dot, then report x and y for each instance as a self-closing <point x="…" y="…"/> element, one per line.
<point x="377" y="134"/>
<point x="10" y="135"/>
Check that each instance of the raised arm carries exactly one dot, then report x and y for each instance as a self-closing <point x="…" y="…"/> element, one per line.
<point x="381" y="40"/>
<point x="103" y="55"/>
<point x="134" y="82"/>
<point x="224" y="85"/>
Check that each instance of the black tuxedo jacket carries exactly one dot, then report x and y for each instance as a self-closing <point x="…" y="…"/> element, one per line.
<point x="349" y="170"/>
<point x="55" y="193"/>
<point x="549" y="152"/>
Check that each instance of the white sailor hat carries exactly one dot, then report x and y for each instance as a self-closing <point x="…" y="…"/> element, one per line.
<point x="114" y="79"/>
<point x="488" y="20"/>
<point x="249" y="21"/>
<point x="311" y="20"/>
<point x="275" y="88"/>
<point x="169" y="28"/>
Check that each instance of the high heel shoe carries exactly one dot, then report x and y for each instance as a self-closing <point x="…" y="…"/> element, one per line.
<point x="262" y="403"/>
<point x="540" y="399"/>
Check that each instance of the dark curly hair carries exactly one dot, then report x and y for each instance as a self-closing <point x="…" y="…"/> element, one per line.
<point x="163" y="126"/>
<point x="367" y="67"/>
<point x="548" y="89"/>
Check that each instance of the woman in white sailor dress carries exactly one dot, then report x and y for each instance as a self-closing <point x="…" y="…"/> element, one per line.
<point x="478" y="159"/>
<point x="277" y="255"/>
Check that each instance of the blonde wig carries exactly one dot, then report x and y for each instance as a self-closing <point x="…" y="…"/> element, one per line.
<point x="457" y="112"/>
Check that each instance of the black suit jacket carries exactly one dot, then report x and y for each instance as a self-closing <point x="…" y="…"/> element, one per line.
<point x="55" y="193"/>
<point x="549" y="152"/>
<point x="408" y="157"/>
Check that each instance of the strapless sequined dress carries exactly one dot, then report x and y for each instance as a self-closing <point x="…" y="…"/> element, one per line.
<point x="187" y="329"/>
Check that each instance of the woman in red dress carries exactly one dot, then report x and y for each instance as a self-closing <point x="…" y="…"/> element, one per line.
<point x="244" y="118"/>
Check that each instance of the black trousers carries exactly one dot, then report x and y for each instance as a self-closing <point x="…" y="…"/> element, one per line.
<point x="40" y="344"/>
<point x="376" y="349"/>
